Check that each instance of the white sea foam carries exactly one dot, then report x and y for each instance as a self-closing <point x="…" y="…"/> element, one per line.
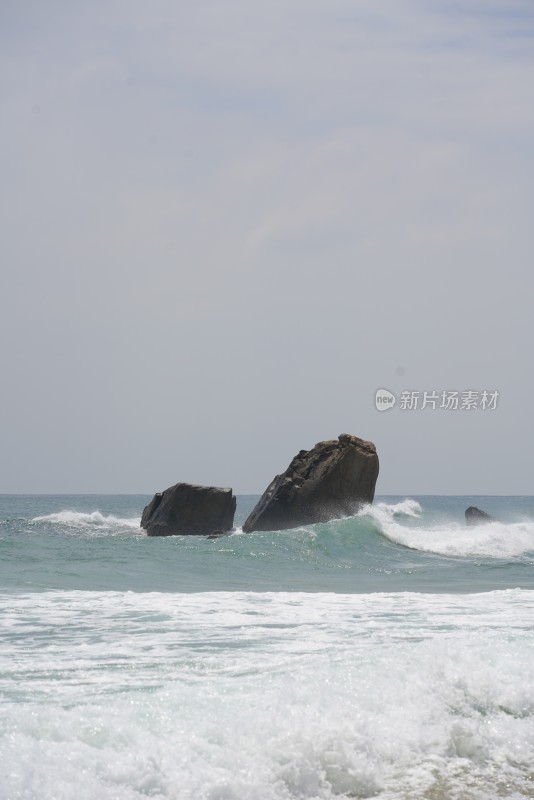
<point x="243" y="696"/>
<point x="406" y="508"/>
<point x="80" y="519"/>
<point x="494" y="540"/>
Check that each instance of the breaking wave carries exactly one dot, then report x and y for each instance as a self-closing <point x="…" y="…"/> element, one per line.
<point x="492" y="540"/>
<point x="79" y="519"/>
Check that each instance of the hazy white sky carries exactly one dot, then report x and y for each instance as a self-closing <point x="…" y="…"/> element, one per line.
<point x="226" y="224"/>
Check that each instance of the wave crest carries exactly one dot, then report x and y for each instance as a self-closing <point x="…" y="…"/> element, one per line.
<point x="493" y="540"/>
<point x="80" y="519"/>
<point x="406" y="508"/>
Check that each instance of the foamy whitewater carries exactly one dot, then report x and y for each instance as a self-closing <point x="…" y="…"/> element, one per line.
<point x="389" y="655"/>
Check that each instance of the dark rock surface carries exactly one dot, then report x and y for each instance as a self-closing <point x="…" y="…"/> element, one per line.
<point x="185" y="509"/>
<point x="474" y="516"/>
<point x="331" y="480"/>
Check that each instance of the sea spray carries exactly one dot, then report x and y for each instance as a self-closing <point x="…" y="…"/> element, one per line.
<point x="88" y="520"/>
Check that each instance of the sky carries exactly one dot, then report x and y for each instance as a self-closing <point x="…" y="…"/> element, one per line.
<point x="225" y="225"/>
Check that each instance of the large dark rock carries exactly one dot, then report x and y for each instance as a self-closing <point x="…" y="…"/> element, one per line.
<point x="474" y="516"/>
<point x="185" y="509"/>
<point x="333" y="479"/>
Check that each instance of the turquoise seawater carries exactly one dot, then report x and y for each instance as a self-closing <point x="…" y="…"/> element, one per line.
<point x="388" y="655"/>
<point x="398" y="544"/>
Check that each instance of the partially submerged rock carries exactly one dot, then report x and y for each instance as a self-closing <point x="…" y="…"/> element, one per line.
<point x="474" y="516"/>
<point x="185" y="509"/>
<point x="331" y="480"/>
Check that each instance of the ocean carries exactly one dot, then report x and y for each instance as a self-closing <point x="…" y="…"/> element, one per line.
<point x="388" y="655"/>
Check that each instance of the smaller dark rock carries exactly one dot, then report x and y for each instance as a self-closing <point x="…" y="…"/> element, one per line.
<point x="474" y="516"/>
<point x="185" y="509"/>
